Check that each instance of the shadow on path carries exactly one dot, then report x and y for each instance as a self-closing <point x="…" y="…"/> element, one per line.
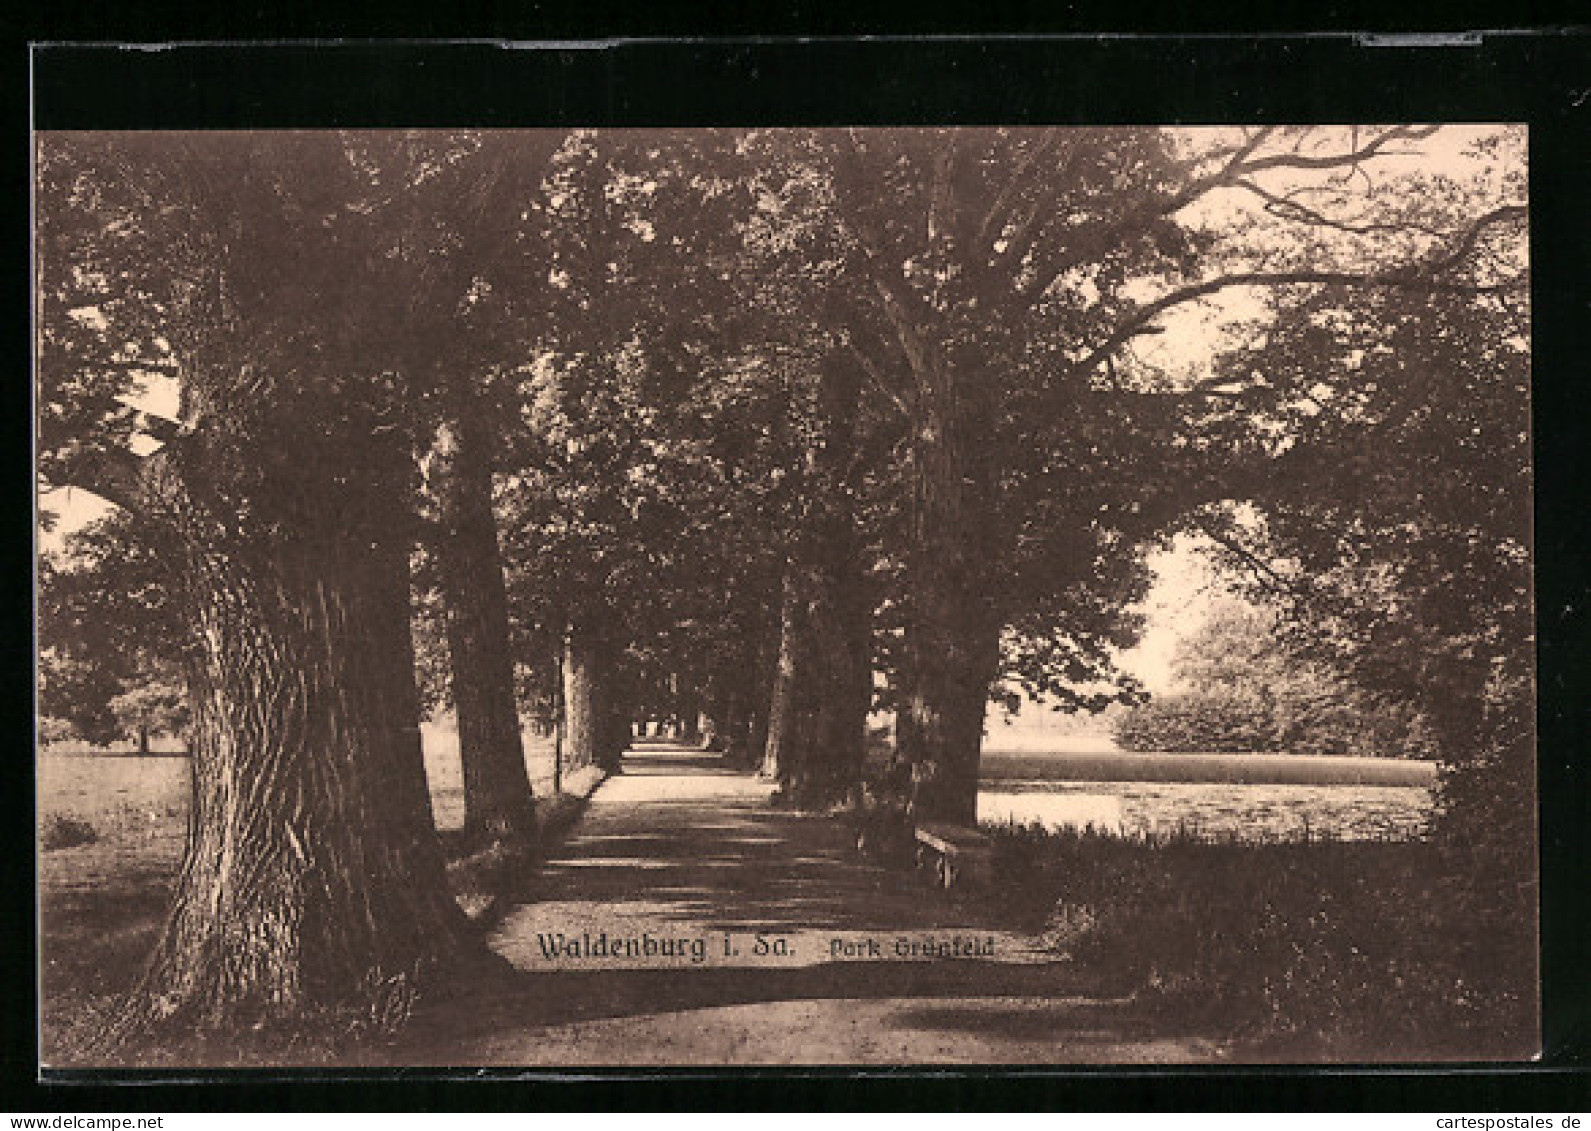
<point x="687" y="921"/>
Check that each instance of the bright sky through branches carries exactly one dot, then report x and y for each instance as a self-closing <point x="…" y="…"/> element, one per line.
<point x="1193" y="334"/>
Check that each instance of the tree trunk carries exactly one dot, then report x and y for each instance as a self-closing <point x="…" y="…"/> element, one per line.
<point x="737" y="728"/>
<point x="312" y="874"/>
<point x="759" y="693"/>
<point x="817" y="720"/>
<point x="143" y="740"/>
<point x="727" y="718"/>
<point x="588" y="699"/>
<point x="688" y="709"/>
<point x="616" y="737"/>
<point x="713" y="728"/>
<point x="952" y="650"/>
<point x="825" y="667"/>
<point x="560" y="727"/>
<point x="827" y="766"/>
<point x="784" y="723"/>
<point x="497" y="796"/>
<point x="908" y="743"/>
<point x="842" y="609"/>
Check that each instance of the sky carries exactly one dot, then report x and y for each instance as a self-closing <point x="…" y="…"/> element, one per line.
<point x="1186" y="585"/>
<point x="75" y="508"/>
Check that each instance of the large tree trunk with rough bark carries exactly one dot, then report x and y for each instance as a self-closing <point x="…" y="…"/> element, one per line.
<point x="497" y="796"/>
<point x="817" y="721"/>
<point x="312" y="874"/>
<point x="953" y="645"/>
<point x="818" y="724"/>
<point x="829" y="766"/>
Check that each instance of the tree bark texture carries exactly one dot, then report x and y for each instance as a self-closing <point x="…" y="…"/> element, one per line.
<point x="497" y="796"/>
<point x="818" y="725"/>
<point x="784" y="725"/>
<point x="759" y="701"/>
<point x="817" y="721"/>
<point x="312" y="873"/>
<point x="952" y="650"/>
<point x="592" y="716"/>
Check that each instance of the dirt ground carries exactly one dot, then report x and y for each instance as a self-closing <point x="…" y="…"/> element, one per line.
<point x="688" y="922"/>
<point x="699" y="926"/>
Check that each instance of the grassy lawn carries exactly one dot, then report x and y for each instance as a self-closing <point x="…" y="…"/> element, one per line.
<point x="100" y="908"/>
<point x="102" y="903"/>
<point x="1324" y="950"/>
<point x="1245" y="769"/>
<point x="1304" y="951"/>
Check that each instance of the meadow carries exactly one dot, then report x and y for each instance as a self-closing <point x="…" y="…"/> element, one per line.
<point x="141" y="802"/>
<point x="113" y="827"/>
<point x="1001" y="764"/>
<point x="1300" y="951"/>
<point x="1248" y="813"/>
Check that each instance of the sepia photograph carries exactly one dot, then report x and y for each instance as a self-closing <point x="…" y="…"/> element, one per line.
<point x="785" y="596"/>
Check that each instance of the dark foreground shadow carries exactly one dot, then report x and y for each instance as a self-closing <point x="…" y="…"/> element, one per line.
<point x="735" y="864"/>
<point x="701" y="854"/>
<point x="1041" y="1002"/>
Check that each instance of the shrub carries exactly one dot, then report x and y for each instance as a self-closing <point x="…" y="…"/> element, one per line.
<point x="1358" y="724"/>
<point x="882" y="827"/>
<point x="1215" y="721"/>
<point x="54" y="731"/>
<point x="61" y="831"/>
<point x="1342" y="949"/>
<point x="1223" y="720"/>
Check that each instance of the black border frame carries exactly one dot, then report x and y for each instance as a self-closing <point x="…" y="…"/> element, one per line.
<point x="1541" y="78"/>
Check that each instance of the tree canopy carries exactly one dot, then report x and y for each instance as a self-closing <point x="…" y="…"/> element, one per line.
<point x="762" y="428"/>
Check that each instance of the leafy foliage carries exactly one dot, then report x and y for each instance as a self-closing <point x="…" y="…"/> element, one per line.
<point x="110" y="646"/>
<point x="1216" y="721"/>
<point x="1395" y="534"/>
<point x="644" y="315"/>
<point x="646" y="320"/>
<point x="1249" y="692"/>
<point x="1337" y="950"/>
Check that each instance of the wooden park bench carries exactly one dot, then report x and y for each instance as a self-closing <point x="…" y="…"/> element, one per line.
<point x="955" y="852"/>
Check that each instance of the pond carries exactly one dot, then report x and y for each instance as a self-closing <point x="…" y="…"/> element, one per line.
<point x="1217" y="810"/>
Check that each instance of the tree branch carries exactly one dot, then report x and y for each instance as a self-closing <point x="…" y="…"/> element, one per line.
<point x="1375" y="147"/>
<point x="113" y="473"/>
<point x="876" y="376"/>
<point x="1268" y="576"/>
<point x="1236" y="169"/>
<point x="1416" y="276"/>
<point x="907" y="311"/>
<point x="860" y="338"/>
<point x="994" y="219"/>
<point x="1289" y="209"/>
<point x="158" y="428"/>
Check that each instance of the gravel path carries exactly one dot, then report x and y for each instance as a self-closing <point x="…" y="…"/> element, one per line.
<point x="687" y="922"/>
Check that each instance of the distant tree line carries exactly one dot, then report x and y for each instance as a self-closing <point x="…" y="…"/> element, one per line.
<point x="1246" y="692"/>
